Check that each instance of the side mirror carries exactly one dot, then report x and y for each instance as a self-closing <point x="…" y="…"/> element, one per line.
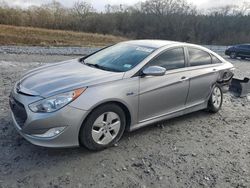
<point x="154" y="71"/>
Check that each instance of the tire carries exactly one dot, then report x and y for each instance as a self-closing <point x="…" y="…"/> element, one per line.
<point x="215" y="100"/>
<point x="233" y="55"/>
<point x="243" y="58"/>
<point x="103" y="127"/>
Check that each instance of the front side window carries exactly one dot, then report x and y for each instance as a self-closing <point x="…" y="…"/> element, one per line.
<point x="198" y="57"/>
<point x="118" y="58"/>
<point x="243" y="46"/>
<point x="171" y="59"/>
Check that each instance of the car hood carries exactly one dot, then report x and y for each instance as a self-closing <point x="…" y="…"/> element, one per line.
<point x="56" y="78"/>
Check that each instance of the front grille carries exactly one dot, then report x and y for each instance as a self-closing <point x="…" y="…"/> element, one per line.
<point x="18" y="111"/>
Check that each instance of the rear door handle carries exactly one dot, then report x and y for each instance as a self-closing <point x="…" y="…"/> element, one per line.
<point x="214" y="70"/>
<point x="183" y="78"/>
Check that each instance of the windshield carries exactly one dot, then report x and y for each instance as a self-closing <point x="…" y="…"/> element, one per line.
<point x="118" y="58"/>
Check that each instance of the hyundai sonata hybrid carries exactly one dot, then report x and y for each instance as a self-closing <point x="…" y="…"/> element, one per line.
<point x="91" y="101"/>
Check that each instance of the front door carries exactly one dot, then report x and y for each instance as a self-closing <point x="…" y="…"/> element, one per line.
<point x="163" y="95"/>
<point x="245" y="50"/>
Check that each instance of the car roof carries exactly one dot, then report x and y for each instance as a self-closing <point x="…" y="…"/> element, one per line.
<point x="152" y="43"/>
<point x="164" y="43"/>
<point x="243" y="44"/>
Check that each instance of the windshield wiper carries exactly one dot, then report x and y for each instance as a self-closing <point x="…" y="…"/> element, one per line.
<point x="91" y="65"/>
<point x="100" y="67"/>
<point x="95" y="66"/>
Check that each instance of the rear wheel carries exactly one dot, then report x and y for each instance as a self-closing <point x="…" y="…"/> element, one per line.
<point x="233" y="55"/>
<point x="103" y="127"/>
<point x="215" y="100"/>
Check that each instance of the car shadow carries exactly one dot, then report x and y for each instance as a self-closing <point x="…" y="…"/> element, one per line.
<point x="173" y="122"/>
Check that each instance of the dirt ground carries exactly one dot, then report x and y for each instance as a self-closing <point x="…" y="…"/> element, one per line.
<point x="196" y="150"/>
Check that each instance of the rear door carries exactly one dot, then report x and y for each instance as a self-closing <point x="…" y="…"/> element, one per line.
<point x="161" y="95"/>
<point x="202" y="75"/>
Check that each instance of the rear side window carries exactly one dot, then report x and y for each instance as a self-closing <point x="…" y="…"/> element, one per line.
<point x="171" y="59"/>
<point x="215" y="60"/>
<point x="198" y="57"/>
<point x="244" y="46"/>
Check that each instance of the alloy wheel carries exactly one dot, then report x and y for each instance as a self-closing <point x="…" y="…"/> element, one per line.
<point x="106" y="127"/>
<point x="233" y="55"/>
<point x="216" y="97"/>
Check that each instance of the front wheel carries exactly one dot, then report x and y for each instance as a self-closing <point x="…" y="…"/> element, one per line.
<point x="233" y="55"/>
<point x="103" y="127"/>
<point x="215" y="100"/>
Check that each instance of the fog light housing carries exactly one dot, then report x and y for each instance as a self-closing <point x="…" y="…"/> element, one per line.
<point x="51" y="132"/>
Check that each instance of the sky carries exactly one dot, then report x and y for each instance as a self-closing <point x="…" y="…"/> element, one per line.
<point x="100" y="4"/>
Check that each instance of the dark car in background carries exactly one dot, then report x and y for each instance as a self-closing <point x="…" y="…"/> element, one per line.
<point x="241" y="50"/>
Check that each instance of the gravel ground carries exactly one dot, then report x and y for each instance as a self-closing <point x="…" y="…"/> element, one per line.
<point x="31" y="58"/>
<point x="68" y="50"/>
<point x="46" y="50"/>
<point x="196" y="150"/>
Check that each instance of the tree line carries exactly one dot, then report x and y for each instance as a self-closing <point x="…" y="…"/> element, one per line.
<point x="153" y="19"/>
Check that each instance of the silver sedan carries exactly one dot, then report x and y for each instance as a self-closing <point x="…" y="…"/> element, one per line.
<point x="91" y="101"/>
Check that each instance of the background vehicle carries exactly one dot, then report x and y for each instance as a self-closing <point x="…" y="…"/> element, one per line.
<point x="241" y="50"/>
<point x="92" y="101"/>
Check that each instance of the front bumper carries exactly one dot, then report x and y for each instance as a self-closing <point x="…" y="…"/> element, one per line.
<point x="39" y="123"/>
<point x="227" y="52"/>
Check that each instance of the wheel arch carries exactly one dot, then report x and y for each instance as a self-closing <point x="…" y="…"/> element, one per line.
<point x="122" y="105"/>
<point x="216" y="83"/>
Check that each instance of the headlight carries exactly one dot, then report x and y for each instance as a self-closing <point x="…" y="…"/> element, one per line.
<point x="56" y="102"/>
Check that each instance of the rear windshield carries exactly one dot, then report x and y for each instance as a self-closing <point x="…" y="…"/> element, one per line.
<point x="119" y="58"/>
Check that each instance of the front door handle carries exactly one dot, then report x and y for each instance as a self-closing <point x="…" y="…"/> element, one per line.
<point x="214" y="70"/>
